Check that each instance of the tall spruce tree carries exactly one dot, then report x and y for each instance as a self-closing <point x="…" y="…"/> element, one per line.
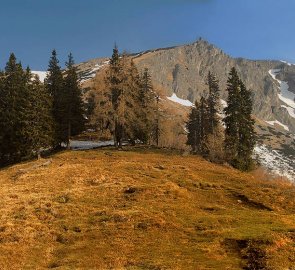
<point x="247" y="135"/>
<point x="73" y="107"/>
<point x="232" y="116"/>
<point x="148" y="105"/>
<point x="193" y="128"/>
<point x="204" y="125"/>
<point x="41" y="118"/>
<point x="114" y="81"/>
<point x="13" y="113"/>
<point x="198" y="127"/>
<point x="239" y="131"/>
<point x="213" y="102"/>
<point x="215" y="133"/>
<point x="55" y="87"/>
<point x="25" y="117"/>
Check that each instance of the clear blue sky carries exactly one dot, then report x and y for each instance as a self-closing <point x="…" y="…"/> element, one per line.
<point x="255" y="29"/>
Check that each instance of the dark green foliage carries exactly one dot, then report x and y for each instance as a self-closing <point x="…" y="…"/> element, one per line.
<point x="204" y="125"/>
<point x="42" y="125"/>
<point x="54" y="85"/>
<point x="25" y="112"/>
<point x="247" y="136"/>
<point x="73" y="117"/>
<point x="198" y="127"/>
<point x="213" y="102"/>
<point x="68" y="107"/>
<point x="231" y="119"/>
<point x="192" y="126"/>
<point x="239" y="132"/>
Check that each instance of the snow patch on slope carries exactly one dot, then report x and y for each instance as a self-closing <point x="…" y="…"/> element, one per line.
<point x="41" y="74"/>
<point x="287" y="63"/>
<point x="91" y="73"/>
<point x="275" y="162"/>
<point x="183" y="102"/>
<point x="290" y="110"/>
<point x="223" y="103"/>
<point x="272" y="123"/>
<point x="285" y="95"/>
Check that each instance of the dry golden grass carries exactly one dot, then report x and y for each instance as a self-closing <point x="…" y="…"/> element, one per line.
<point x="141" y="209"/>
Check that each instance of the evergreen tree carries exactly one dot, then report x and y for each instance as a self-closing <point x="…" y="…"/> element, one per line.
<point x="204" y="126"/>
<point x="247" y="136"/>
<point x="148" y="104"/>
<point x="13" y="113"/>
<point x="73" y="107"/>
<point x="197" y="127"/>
<point x="213" y="102"/>
<point x="239" y="132"/>
<point x="114" y="82"/>
<point x="41" y="118"/>
<point x="55" y="86"/>
<point x="215" y="133"/>
<point x="232" y="115"/>
<point x="193" y="128"/>
<point x="25" y="112"/>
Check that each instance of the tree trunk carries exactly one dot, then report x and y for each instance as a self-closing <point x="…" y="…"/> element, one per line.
<point x="69" y="135"/>
<point x="39" y="154"/>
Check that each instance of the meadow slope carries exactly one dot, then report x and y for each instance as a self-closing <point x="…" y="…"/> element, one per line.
<point x="142" y="209"/>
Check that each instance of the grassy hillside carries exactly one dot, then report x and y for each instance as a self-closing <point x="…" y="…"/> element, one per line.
<point x="142" y="209"/>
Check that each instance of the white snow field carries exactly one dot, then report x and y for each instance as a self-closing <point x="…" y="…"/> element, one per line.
<point x="183" y="102"/>
<point x="285" y="95"/>
<point x="272" y="123"/>
<point x="275" y="162"/>
<point x="41" y="75"/>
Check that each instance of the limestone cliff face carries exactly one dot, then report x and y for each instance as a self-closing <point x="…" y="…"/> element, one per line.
<point x="183" y="70"/>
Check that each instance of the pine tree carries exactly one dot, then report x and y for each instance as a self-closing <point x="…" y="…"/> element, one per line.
<point x="193" y="128"/>
<point x="25" y="113"/>
<point x="55" y="85"/>
<point x="114" y="81"/>
<point x="13" y="113"/>
<point x="74" y="114"/>
<point x="213" y="102"/>
<point x="239" y="132"/>
<point x="247" y="136"/>
<point x="232" y="116"/>
<point x="204" y="125"/>
<point x="197" y="127"/>
<point x="215" y="133"/>
<point x="134" y="107"/>
<point x="41" y="118"/>
<point x="148" y="104"/>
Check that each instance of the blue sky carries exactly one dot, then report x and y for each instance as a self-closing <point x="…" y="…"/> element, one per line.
<point x="255" y="29"/>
